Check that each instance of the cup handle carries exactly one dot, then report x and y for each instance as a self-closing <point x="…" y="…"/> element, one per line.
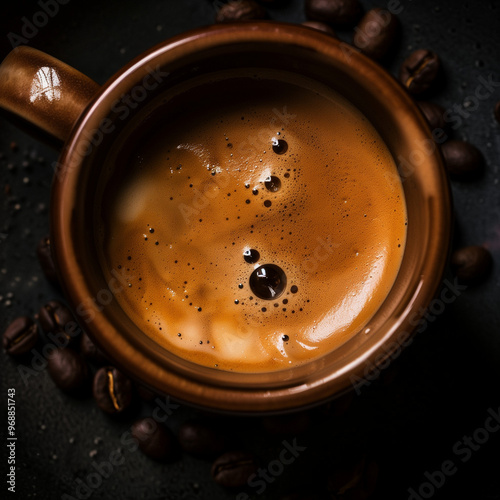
<point x="44" y="91"/>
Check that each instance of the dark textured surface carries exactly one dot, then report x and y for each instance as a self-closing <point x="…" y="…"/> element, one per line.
<point x="444" y="384"/>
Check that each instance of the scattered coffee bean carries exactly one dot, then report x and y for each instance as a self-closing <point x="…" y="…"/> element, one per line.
<point x="338" y="12"/>
<point x="462" y="159"/>
<point x="112" y="390"/>
<point x="154" y="439"/>
<point x="68" y="370"/>
<point x="497" y="111"/>
<point x="434" y="114"/>
<point x="201" y="439"/>
<point x="318" y="25"/>
<point x="56" y="319"/>
<point x="240" y="10"/>
<point x="419" y="70"/>
<point x="91" y="351"/>
<point x="53" y="316"/>
<point x="356" y="480"/>
<point x="20" y="336"/>
<point x="233" y="469"/>
<point x="44" y="255"/>
<point x="376" y="32"/>
<point x="471" y="264"/>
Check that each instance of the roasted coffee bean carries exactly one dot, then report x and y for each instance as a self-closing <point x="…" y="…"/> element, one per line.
<point x="240" y="10"/>
<point x="233" y="469"/>
<point x="317" y="25"/>
<point x="376" y="32"/>
<point x="68" y="370"/>
<point x="355" y="480"/>
<point x="434" y="114"/>
<point x="471" y="264"/>
<point x="112" y="390"/>
<point x="91" y="351"/>
<point x="154" y="439"/>
<point x="201" y="439"/>
<point x="419" y="70"/>
<point x="338" y="12"/>
<point x="43" y="252"/>
<point x="56" y="319"/>
<point x="53" y="316"/>
<point x="497" y="111"/>
<point x="462" y="159"/>
<point x="20" y="336"/>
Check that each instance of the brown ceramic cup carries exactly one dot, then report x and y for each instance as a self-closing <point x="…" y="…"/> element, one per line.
<point x="76" y="110"/>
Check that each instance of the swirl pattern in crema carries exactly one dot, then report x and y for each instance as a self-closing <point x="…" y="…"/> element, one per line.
<point x="183" y="208"/>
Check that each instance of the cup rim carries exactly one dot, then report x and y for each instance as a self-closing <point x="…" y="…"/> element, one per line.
<point x="202" y="392"/>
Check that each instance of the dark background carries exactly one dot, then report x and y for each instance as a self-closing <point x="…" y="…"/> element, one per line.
<point x="440" y="389"/>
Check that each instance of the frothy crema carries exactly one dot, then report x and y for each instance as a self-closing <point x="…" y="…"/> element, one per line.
<point x="262" y="221"/>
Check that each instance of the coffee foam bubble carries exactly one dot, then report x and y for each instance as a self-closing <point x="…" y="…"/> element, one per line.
<point x="313" y="194"/>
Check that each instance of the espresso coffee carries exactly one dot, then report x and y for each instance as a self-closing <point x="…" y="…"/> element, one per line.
<point x="261" y="220"/>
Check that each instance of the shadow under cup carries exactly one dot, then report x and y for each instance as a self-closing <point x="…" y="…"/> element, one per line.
<point x="267" y="46"/>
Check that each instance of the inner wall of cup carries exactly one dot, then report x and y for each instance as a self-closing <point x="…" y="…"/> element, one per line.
<point x="269" y="56"/>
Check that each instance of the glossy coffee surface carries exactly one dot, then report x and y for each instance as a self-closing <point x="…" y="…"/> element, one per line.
<point x="261" y="222"/>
